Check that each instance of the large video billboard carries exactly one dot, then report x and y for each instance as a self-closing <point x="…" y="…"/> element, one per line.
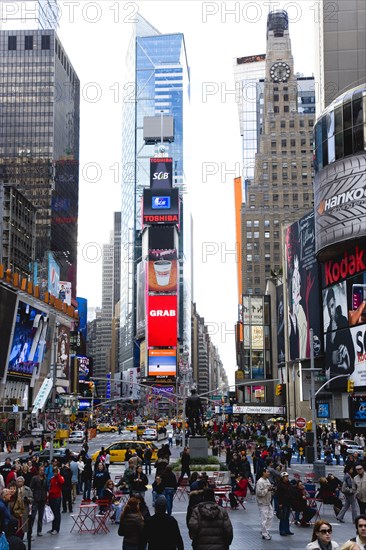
<point x="162" y="362"/>
<point x="162" y="272"/>
<point x="63" y="352"/>
<point x="29" y="341"/>
<point x="344" y="313"/>
<point x="8" y="300"/>
<point x="64" y="292"/>
<point x="161" y="206"/>
<point x="161" y="173"/>
<point x="302" y="289"/>
<point x="162" y="321"/>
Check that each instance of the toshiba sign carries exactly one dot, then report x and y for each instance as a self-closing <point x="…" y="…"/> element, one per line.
<point x="162" y="329"/>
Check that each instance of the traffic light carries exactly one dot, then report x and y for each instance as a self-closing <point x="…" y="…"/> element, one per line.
<point x="350" y="386"/>
<point x="91" y="386"/>
<point x="279" y="389"/>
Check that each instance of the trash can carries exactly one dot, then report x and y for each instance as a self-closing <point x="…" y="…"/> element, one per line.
<point x="319" y="469"/>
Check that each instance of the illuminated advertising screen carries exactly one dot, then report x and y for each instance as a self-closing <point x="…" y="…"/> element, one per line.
<point x="161" y="173"/>
<point x="53" y="275"/>
<point x="8" y="300"/>
<point x="64" y="292"/>
<point x="162" y="272"/>
<point x="302" y="289"/>
<point x="357" y="406"/>
<point x="323" y="410"/>
<point x="29" y="340"/>
<point x="161" y="206"/>
<point x="162" y="321"/>
<point x="344" y="314"/>
<point x="63" y="352"/>
<point x="162" y="362"/>
<point x="85" y="368"/>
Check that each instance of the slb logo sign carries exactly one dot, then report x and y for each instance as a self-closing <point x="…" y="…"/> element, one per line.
<point x="158" y="203"/>
<point x="161" y="173"/>
<point x="160" y="176"/>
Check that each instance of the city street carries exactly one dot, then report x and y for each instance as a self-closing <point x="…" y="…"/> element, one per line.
<point x="245" y="522"/>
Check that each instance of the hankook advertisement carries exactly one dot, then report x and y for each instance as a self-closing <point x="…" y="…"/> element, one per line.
<point x="340" y="201"/>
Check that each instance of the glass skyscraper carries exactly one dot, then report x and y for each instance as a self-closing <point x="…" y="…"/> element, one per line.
<point x="158" y="85"/>
<point x="39" y="138"/>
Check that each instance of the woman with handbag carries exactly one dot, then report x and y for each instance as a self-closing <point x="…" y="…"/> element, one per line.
<point x="349" y="491"/>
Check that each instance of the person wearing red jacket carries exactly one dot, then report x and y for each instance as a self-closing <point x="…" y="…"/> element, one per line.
<point x="54" y="499"/>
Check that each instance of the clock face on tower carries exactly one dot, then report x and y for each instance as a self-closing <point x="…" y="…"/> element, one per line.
<point x="280" y="72"/>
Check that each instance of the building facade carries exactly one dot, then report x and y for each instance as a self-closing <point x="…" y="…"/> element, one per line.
<point x="17" y="231"/>
<point x="157" y="67"/>
<point x="39" y="138"/>
<point x="281" y="189"/>
<point x="340" y="40"/>
<point x="33" y="14"/>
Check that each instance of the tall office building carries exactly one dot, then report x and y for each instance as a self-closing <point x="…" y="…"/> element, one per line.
<point x="281" y="188"/>
<point x="340" y="39"/>
<point x="29" y="14"/>
<point x="158" y="72"/>
<point x="39" y="138"/>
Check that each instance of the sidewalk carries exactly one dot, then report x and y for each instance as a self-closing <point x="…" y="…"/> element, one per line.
<point x="245" y="524"/>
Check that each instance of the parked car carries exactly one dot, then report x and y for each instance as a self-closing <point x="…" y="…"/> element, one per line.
<point x="106" y="428"/>
<point x="76" y="437"/>
<point x="118" y="450"/>
<point x="351" y="446"/>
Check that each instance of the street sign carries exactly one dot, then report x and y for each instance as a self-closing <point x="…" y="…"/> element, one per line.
<point x="300" y="422"/>
<point x="51" y="425"/>
<point x="216" y="397"/>
<point x="54" y="410"/>
<point x="72" y="418"/>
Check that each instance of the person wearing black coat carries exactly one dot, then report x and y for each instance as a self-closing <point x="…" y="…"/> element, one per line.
<point x="185" y="460"/>
<point x="87" y="478"/>
<point x="66" y="488"/>
<point x="100" y="478"/>
<point x="139" y="481"/>
<point x="285" y="496"/>
<point x="170" y="484"/>
<point x="161" y="531"/>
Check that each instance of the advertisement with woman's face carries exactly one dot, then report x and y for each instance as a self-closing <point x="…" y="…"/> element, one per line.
<point x="63" y="352"/>
<point x="29" y="341"/>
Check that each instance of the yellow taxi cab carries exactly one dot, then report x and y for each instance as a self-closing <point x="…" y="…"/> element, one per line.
<point x="131" y="427"/>
<point x="161" y="423"/>
<point x="106" y="428"/>
<point x="140" y="429"/>
<point x="117" y="450"/>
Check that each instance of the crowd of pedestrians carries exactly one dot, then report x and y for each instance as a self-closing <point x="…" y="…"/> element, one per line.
<point x="258" y="460"/>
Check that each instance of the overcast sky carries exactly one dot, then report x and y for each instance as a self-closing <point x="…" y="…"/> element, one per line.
<point x="95" y="36"/>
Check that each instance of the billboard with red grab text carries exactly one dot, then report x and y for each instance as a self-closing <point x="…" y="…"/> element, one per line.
<point x="162" y="313"/>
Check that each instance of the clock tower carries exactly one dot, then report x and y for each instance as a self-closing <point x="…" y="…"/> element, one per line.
<point x="280" y="80"/>
<point x="281" y="189"/>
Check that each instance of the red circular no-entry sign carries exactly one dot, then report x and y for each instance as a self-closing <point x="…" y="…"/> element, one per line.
<point x="300" y="422"/>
